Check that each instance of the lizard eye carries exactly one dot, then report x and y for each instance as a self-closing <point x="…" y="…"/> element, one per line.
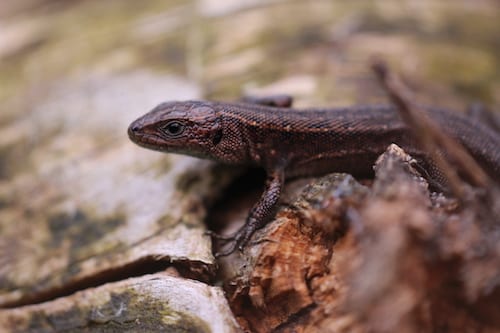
<point x="173" y="128"/>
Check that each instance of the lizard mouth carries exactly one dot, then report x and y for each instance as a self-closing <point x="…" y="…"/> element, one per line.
<point x="146" y="140"/>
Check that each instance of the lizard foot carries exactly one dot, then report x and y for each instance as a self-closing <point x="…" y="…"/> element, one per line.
<point x="219" y="237"/>
<point x="235" y="242"/>
<point x="225" y="240"/>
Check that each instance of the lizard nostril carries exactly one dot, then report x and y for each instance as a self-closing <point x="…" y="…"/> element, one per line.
<point x="134" y="127"/>
<point x="133" y="130"/>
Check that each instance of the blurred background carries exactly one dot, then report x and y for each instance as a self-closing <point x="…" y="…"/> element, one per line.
<point x="74" y="74"/>
<point x="315" y="49"/>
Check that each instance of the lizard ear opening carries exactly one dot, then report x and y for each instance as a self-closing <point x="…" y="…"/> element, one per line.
<point x="217" y="137"/>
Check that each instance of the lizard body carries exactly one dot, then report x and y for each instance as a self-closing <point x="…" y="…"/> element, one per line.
<point x="298" y="142"/>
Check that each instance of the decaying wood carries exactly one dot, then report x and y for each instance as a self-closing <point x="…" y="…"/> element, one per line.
<point x="81" y="206"/>
<point x="394" y="257"/>
<point x="90" y="213"/>
<point x="294" y="251"/>
<point x="151" y="303"/>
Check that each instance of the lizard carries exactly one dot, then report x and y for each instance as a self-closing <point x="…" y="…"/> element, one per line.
<point x="289" y="142"/>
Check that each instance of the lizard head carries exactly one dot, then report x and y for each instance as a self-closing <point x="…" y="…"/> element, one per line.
<point x="191" y="128"/>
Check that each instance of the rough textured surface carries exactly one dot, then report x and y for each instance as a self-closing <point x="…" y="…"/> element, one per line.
<point x="342" y="257"/>
<point x="92" y="204"/>
<point x="78" y="200"/>
<point x="275" y="284"/>
<point x="152" y="303"/>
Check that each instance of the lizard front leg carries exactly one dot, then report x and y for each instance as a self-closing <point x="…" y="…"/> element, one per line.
<point x="259" y="215"/>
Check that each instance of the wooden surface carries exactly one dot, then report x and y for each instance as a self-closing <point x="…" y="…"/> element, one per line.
<point x="151" y="303"/>
<point x="85" y="214"/>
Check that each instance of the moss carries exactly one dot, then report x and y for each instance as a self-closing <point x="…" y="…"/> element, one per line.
<point x="66" y="320"/>
<point x="274" y="40"/>
<point x="4" y="202"/>
<point x="15" y="157"/>
<point x="470" y="71"/>
<point x="80" y="229"/>
<point x="12" y="159"/>
<point x="129" y="311"/>
<point x="37" y="322"/>
<point x="126" y="311"/>
<point x="166" y="221"/>
<point x="7" y="284"/>
<point x="168" y="53"/>
<point x="373" y="22"/>
<point x="100" y="29"/>
<point x="4" y="163"/>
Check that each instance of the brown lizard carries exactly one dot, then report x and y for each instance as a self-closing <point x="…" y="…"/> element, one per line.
<point x="290" y="142"/>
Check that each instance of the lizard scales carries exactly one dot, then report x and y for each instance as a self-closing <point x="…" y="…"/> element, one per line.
<point x="290" y="142"/>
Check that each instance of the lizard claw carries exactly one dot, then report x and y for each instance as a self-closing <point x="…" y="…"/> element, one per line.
<point x="219" y="237"/>
<point x="236" y="241"/>
<point x="225" y="240"/>
<point x="228" y="251"/>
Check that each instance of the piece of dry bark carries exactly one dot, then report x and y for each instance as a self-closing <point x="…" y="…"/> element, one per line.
<point x="88" y="206"/>
<point x="151" y="303"/>
<point x="395" y="258"/>
<point x="293" y="250"/>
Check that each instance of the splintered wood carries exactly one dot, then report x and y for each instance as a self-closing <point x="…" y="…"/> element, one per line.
<point x="394" y="257"/>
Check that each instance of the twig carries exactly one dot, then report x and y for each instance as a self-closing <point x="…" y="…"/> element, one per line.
<point x="431" y="138"/>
